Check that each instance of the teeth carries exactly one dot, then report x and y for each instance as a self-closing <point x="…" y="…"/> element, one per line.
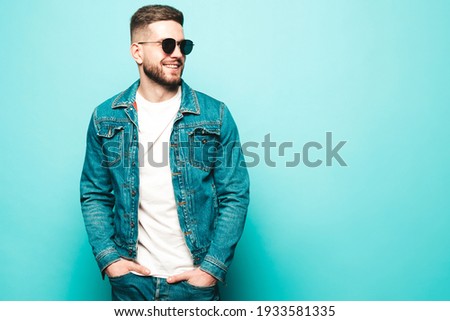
<point x="171" y="66"/>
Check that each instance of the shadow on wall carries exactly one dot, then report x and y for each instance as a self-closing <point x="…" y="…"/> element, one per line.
<point x="253" y="275"/>
<point x="86" y="283"/>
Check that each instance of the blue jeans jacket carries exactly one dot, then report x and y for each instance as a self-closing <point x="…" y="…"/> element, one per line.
<point x="209" y="177"/>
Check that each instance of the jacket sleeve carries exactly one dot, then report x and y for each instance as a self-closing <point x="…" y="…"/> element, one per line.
<point x="97" y="201"/>
<point x="232" y="188"/>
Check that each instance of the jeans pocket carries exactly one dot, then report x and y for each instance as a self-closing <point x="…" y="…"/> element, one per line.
<point x="129" y="287"/>
<point x="202" y="288"/>
<point x="121" y="278"/>
<point x="200" y="293"/>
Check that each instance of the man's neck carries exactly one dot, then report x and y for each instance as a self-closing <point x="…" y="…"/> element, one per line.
<point x="154" y="92"/>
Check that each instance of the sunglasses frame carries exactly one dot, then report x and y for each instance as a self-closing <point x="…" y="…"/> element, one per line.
<point x="172" y="43"/>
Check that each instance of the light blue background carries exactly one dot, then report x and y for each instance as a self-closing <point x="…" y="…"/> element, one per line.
<point x="374" y="73"/>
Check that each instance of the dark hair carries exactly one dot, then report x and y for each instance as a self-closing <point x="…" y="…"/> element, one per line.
<point x="153" y="13"/>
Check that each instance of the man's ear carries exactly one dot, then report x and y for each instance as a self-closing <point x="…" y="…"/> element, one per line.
<point x="136" y="53"/>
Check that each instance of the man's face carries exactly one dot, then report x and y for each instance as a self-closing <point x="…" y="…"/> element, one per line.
<point x="164" y="69"/>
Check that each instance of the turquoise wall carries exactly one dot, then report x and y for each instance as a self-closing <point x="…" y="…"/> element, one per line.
<point x="375" y="74"/>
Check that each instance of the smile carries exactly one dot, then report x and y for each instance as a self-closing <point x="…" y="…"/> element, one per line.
<point x="172" y="66"/>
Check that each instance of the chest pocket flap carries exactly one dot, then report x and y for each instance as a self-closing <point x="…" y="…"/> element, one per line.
<point x="204" y="144"/>
<point x="112" y="142"/>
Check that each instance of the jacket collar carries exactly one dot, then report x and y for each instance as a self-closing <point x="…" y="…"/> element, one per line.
<point x="189" y="102"/>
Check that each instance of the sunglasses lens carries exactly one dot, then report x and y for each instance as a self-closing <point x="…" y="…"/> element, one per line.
<point x="186" y="47"/>
<point x="168" y="45"/>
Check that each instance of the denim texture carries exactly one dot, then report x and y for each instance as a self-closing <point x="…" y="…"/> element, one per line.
<point x="209" y="177"/>
<point x="132" y="287"/>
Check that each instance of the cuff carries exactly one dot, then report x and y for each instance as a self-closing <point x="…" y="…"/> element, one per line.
<point x="106" y="258"/>
<point x="214" y="267"/>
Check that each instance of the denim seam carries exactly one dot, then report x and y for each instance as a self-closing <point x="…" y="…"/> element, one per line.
<point x="105" y="252"/>
<point x="216" y="262"/>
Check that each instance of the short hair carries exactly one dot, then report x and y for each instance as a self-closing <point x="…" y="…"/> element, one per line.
<point x="153" y="13"/>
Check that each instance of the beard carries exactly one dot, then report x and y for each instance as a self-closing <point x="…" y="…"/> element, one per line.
<point x="156" y="73"/>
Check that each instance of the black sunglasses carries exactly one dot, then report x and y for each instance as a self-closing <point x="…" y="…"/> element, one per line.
<point x="169" y="44"/>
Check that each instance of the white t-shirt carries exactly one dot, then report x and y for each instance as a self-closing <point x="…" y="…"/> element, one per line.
<point x="161" y="244"/>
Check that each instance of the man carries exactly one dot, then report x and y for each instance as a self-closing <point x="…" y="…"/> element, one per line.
<point x="164" y="188"/>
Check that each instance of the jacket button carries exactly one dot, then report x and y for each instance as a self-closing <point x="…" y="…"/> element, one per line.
<point x="133" y="193"/>
<point x="130" y="252"/>
<point x="132" y="224"/>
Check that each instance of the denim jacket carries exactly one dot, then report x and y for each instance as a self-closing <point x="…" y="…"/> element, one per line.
<point x="209" y="177"/>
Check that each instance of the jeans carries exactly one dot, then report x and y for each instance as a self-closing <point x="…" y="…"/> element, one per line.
<point x="132" y="287"/>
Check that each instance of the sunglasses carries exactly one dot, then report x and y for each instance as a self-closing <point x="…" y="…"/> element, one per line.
<point x="169" y="44"/>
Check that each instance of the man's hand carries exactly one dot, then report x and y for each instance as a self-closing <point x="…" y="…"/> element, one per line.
<point x="123" y="267"/>
<point x="195" y="277"/>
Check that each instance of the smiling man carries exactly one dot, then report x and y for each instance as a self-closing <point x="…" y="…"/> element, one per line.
<point x="164" y="187"/>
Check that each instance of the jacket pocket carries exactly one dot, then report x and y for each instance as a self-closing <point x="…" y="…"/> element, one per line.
<point x="204" y="147"/>
<point x="112" y="139"/>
